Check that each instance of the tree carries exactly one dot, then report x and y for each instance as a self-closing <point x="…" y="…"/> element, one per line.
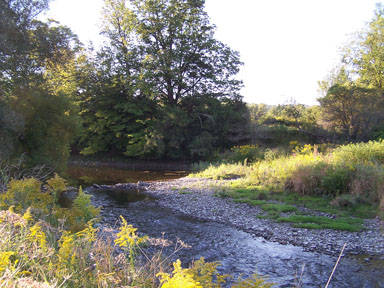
<point x="169" y="77"/>
<point x="11" y="128"/>
<point x="353" y="110"/>
<point x="353" y="101"/>
<point x="182" y="56"/>
<point x="365" y="55"/>
<point x="36" y="61"/>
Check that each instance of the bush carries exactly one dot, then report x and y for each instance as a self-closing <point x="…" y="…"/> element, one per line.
<point x="306" y="180"/>
<point x="224" y="171"/>
<point x="274" y="174"/>
<point x="244" y="153"/>
<point x="28" y="193"/>
<point x="336" y="180"/>
<point x="368" y="183"/>
<point x="352" y="169"/>
<point x="360" y="153"/>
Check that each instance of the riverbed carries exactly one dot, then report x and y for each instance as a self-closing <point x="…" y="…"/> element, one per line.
<point x="220" y="230"/>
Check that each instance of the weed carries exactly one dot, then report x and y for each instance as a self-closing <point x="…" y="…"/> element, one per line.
<point x="281" y="208"/>
<point x="354" y="169"/>
<point x="82" y="259"/>
<point x="183" y="190"/>
<point x="322" y="222"/>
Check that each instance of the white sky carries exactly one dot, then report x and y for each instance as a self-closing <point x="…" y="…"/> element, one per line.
<point x="286" y="46"/>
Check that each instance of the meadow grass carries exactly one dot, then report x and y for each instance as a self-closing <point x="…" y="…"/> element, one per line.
<point x="322" y="222"/>
<point x="347" y="182"/>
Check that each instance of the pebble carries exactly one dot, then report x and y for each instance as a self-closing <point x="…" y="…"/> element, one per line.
<point x="206" y="206"/>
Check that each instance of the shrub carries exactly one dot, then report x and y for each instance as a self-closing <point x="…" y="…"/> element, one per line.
<point x="248" y="153"/>
<point x="16" y="169"/>
<point x="336" y="180"/>
<point x="272" y="154"/>
<point x="368" y="183"/>
<point x="355" y="169"/>
<point x="274" y="174"/>
<point x="306" y="179"/>
<point x="224" y="171"/>
<point x="360" y="153"/>
<point x="28" y="193"/>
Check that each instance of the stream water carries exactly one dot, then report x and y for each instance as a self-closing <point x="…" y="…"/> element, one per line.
<point x="237" y="251"/>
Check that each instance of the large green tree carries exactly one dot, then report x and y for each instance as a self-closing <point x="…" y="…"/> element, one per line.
<point x="353" y="111"/>
<point x="169" y="83"/>
<point x="35" y="61"/>
<point x="182" y="57"/>
<point x="353" y="102"/>
<point x="364" y="56"/>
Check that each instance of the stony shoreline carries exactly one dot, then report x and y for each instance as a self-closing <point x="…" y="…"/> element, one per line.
<point x="195" y="197"/>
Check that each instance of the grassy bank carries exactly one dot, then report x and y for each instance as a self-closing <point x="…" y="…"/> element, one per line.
<point x="347" y="181"/>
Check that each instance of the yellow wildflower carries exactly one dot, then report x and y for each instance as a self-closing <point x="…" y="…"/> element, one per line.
<point x="27" y="215"/>
<point x="127" y="236"/>
<point x="38" y="236"/>
<point x="4" y="259"/>
<point x="181" y="278"/>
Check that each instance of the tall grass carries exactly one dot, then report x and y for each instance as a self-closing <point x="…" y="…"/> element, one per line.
<point x="353" y="169"/>
<point x="223" y="171"/>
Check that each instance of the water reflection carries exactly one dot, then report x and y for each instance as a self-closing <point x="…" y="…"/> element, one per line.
<point x="122" y="196"/>
<point x="87" y="176"/>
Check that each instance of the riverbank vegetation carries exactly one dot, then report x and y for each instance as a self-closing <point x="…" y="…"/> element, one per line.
<point x="44" y="245"/>
<point x="346" y="181"/>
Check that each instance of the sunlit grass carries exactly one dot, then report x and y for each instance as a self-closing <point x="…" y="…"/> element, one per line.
<point x="349" y="182"/>
<point x="322" y="222"/>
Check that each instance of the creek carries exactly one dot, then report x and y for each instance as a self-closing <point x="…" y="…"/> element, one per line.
<point x="236" y="250"/>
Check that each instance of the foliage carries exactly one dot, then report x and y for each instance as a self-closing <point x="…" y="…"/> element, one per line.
<point x="244" y="154"/>
<point x="363" y="153"/>
<point x="352" y="110"/>
<point x="15" y="169"/>
<point x="180" y="278"/>
<point x="273" y="126"/>
<point x="40" y="118"/>
<point x="352" y="101"/>
<point x="204" y="274"/>
<point x="28" y="192"/>
<point x="255" y="281"/>
<point x="12" y="127"/>
<point x="81" y="212"/>
<point x="49" y="128"/>
<point x="29" y="255"/>
<point x="223" y="171"/>
<point x="354" y="169"/>
<point x="161" y="89"/>
<point x="128" y="239"/>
